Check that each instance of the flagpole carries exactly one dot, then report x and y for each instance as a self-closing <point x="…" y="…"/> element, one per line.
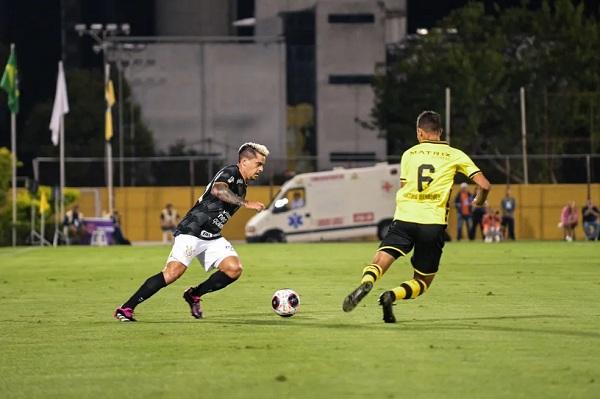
<point x="62" y="151"/>
<point x="57" y="126"/>
<point x="62" y="166"/>
<point x="42" y="228"/>
<point x="524" y="136"/>
<point x="109" y="169"/>
<point x="13" y="143"/>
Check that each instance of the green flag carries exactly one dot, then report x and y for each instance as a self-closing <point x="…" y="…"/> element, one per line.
<point x="10" y="82"/>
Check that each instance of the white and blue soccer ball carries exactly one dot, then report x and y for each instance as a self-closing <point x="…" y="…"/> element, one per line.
<point x="285" y="302"/>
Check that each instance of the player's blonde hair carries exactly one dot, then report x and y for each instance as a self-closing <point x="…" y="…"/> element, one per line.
<point x="253" y="148"/>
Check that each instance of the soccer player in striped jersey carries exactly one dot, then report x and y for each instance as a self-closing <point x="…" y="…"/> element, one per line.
<point x="427" y="173"/>
<point x="198" y="235"/>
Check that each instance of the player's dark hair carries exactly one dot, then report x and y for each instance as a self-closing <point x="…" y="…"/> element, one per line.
<point x="429" y="121"/>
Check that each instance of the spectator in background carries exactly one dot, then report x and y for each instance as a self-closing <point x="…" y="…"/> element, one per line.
<point x="568" y="221"/>
<point x="478" y="214"/>
<point x="118" y="233"/>
<point x="508" y="205"/>
<point x="73" y="225"/>
<point x="590" y="214"/>
<point x="169" y="219"/>
<point x="464" y="212"/>
<point x="492" y="226"/>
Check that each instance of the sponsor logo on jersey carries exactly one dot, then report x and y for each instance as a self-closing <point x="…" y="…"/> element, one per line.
<point x="239" y="181"/>
<point x="230" y="180"/>
<point x="206" y="234"/>
<point x="189" y="251"/>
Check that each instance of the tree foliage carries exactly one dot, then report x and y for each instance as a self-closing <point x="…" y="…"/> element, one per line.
<point x="484" y="58"/>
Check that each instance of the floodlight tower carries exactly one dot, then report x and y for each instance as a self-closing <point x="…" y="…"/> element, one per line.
<point x="99" y="33"/>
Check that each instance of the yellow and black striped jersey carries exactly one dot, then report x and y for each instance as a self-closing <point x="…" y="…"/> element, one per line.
<point x="427" y="172"/>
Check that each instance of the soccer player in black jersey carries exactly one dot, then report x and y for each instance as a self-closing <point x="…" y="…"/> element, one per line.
<point x="198" y="235"/>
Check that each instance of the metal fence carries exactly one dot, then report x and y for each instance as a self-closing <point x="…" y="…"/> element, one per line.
<point x="199" y="169"/>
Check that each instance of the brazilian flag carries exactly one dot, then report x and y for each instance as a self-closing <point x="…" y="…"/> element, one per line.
<point x="10" y="82"/>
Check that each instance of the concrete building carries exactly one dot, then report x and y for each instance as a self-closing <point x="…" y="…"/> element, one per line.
<point x="301" y="85"/>
<point x="211" y="94"/>
<point x="194" y="18"/>
<point x="348" y="40"/>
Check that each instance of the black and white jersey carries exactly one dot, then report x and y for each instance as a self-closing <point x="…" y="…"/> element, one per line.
<point x="208" y="216"/>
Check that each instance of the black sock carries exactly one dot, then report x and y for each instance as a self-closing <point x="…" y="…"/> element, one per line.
<point x="215" y="282"/>
<point x="149" y="288"/>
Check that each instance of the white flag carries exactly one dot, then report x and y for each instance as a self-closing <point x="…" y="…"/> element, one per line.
<point x="61" y="104"/>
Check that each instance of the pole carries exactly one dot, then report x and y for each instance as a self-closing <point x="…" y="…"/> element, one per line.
<point x="589" y="176"/>
<point x="192" y="183"/>
<point x="32" y="232"/>
<point x="132" y="137"/>
<point x="13" y="144"/>
<point x="57" y="222"/>
<point x="62" y="166"/>
<point x="109" y="168"/>
<point x="592" y="98"/>
<point x="507" y="167"/>
<point x="42" y="228"/>
<point x="448" y="115"/>
<point x="524" y="137"/>
<point x="121" y="138"/>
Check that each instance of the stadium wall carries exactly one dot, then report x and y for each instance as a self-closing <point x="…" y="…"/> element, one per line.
<point x="537" y="213"/>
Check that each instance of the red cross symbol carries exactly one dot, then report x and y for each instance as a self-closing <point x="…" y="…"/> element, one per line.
<point x="387" y="186"/>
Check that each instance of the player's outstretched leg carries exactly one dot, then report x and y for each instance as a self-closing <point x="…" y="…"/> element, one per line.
<point x="229" y="271"/>
<point x="370" y="274"/>
<point x="172" y="271"/>
<point x="356" y="296"/>
<point x="150" y="287"/>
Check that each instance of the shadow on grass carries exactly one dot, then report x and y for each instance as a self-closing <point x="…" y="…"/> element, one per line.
<point x="465" y="323"/>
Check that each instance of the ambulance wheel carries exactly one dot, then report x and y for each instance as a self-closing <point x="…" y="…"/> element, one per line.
<point x="274" y="236"/>
<point x="383" y="227"/>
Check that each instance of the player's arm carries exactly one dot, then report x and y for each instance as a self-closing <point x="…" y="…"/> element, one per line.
<point x="483" y="189"/>
<point x="221" y="191"/>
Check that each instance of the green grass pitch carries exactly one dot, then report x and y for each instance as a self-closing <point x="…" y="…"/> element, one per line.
<point x="508" y="320"/>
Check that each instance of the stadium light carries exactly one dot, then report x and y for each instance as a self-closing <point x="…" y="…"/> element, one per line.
<point x="111" y="28"/>
<point x="96" y="28"/>
<point x="80" y="29"/>
<point x="125" y="28"/>
<point x="422" y="31"/>
<point x="244" y="22"/>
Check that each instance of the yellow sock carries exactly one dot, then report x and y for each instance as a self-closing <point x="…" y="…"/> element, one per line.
<point x="410" y="289"/>
<point x="371" y="273"/>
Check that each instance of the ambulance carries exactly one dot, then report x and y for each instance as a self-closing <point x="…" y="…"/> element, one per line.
<point x="337" y="204"/>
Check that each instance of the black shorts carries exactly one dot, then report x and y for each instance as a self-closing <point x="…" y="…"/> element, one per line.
<point x="427" y="240"/>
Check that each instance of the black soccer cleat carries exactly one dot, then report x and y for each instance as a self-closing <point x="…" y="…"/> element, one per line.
<point x="194" y="302"/>
<point x="386" y="300"/>
<point x="124" y="314"/>
<point x="356" y="296"/>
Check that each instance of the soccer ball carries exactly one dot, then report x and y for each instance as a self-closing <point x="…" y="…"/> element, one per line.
<point x="285" y="302"/>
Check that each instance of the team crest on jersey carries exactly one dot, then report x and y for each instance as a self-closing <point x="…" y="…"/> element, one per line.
<point x="230" y="180"/>
<point x="189" y="251"/>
